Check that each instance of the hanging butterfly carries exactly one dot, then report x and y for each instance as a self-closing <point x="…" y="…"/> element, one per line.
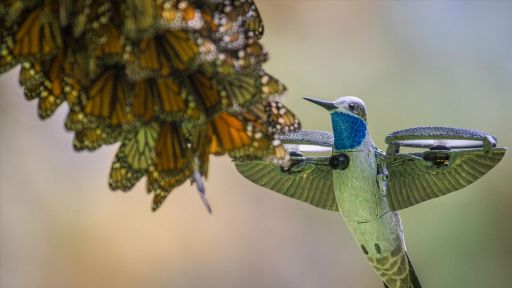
<point x="172" y="81"/>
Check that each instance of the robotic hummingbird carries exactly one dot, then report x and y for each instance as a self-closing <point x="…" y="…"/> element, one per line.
<point x="369" y="187"/>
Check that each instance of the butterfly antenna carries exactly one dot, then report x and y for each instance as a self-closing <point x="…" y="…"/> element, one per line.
<point x="198" y="180"/>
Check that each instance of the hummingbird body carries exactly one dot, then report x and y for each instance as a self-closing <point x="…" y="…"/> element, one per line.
<point x="362" y="202"/>
<point x="376" y="228"/>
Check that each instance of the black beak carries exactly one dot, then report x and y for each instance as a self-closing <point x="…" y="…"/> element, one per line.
<point x="329" y="106"/>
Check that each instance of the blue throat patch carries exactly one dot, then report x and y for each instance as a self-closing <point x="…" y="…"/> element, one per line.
<point x="349" y="131"/>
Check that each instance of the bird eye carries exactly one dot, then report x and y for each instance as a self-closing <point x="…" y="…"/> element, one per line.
<point x="351" y="107"/>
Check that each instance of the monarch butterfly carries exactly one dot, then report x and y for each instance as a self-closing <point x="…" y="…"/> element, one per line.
<point x="163" y="98"/>
<point x="172" y="81"/>
<point x="44" y="81"/>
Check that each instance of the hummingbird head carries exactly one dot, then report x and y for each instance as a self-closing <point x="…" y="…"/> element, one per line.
<point x="348" y="118"/>
<point x="348" y="104"/>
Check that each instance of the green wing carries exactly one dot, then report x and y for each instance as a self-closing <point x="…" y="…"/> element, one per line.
<point x="309" y="179"/>
<point x="418" y="177"/>
<point x="310" y="183"/>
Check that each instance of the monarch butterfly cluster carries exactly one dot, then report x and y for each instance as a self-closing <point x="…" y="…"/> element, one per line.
<point x="172" y="81"/>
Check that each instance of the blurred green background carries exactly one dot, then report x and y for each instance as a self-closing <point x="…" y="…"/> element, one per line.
<point x="413" y="63"/>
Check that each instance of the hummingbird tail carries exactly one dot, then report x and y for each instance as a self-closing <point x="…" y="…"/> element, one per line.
<point x="414" y="282"/>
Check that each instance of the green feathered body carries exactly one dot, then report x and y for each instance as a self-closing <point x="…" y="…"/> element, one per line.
<point x="375" y="227"/>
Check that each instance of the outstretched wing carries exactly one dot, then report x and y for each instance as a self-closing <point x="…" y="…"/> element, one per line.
<point x="444" y="168"/>
<point x="308" y="178"/>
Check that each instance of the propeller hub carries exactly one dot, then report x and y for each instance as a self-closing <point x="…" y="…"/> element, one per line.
<point x="339" y="161"/>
